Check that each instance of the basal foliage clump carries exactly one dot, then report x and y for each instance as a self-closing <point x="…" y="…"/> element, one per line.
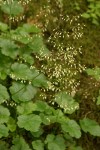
<point x="28" y="123"/>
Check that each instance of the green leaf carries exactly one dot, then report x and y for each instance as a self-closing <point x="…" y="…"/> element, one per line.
<point x="3" y="94"/>
<point x="8" y="48"/>
<point x="3" y="26"/>
<point x="38" y="145"/>
<point x="94" y="72"/>
<point x="98" y="100"/>
<point x="48" y="119"/>
<point x="20" y="144"/>
<point x="21" y="92"/>
<point x="23" y="38"/>
<point x="71" y="127"/>
<point x="4" y="114"/>
<point x="21" y="71"/>
<point x="11" y="124"/>
<point x="66" y="102"/>
<point x="95" y="21"/>
<point x="5" y="63"/>
<point x="3" y="131"/>
<point x="3" y="75"/>
<point x="3" y="145"/>
<point x="26" y="108"/>
<point x="29" y="59"/>
<point x="86" y="15"/>
<point x="76" y="148"/>
<point x="38" y="133"/>
<point x="12" y="8"/>
<point x="38" y="46"/>
<point x="42" y="106"/>
<point x="90" y="126"/>
<point x="29" y="122"/>
<point x="39" y="81"/>
<point x="55" y="142"/>
<point x="30" y="28"/>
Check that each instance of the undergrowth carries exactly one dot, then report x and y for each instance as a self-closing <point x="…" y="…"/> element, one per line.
<point x="28" y="66"/>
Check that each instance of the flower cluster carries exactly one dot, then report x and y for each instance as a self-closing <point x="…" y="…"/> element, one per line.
<point x="63" y="65"/>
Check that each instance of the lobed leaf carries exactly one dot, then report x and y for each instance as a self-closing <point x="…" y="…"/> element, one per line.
<point x="29" y="122"/>
<point x="30" y="28"/>
<point x="21" y="71"/>
<point x="5" y="63"/>
<point x="55" y="142"/>
<point x="71" y="127"/>
<point x="4" y="114"/>
<point x="3" y="131"/>
<point x="21" y="92"/>
<point x="94" y="72"/>
<point x="9" y="48"/>
<point x="38" y="46"/>
<point x="26" y="108"/>
<point x="20" y="144"/>
<point x="66" y="102"/>
<point x="12" y="8"/>
<point x="38" y="145"/>
<point x="4" y="95"/>
<point x="90" y="126"/>
<point x="39" y="81"/>
<point x="11" y="124"/>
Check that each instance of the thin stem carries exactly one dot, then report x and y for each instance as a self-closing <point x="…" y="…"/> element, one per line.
<point x="10" y="25"/>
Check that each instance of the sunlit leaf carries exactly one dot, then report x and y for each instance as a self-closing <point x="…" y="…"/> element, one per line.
<point x="38" y="46"/>
<point x="39" y="81"/>
<point x="29" y="59"/>
<point x="48" y="119"/>
<point x="26" y="108"/>
<point x="8" y="48"/>
<point x="66" y="102"/>
<point x="12" y="8"/>
<point x="21" y="92"/>
<point x="71" y="127"/>
<point x="3" y="75"/>
<point x="3" y="26"/>
<point x="86" y="15"/>
<point x="29" y="122"/>
<point x="21" y="71"/>
<point x="90" y="126"/>
<point x="30" y="28"/>
<point x="94" y="72"/>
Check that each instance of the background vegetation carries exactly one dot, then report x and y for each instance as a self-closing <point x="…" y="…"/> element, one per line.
<point x="49" y="75"/>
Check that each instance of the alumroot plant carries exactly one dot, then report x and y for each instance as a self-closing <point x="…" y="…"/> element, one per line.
<point x="28" y="123"/>
<point x="63" y="66"/>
